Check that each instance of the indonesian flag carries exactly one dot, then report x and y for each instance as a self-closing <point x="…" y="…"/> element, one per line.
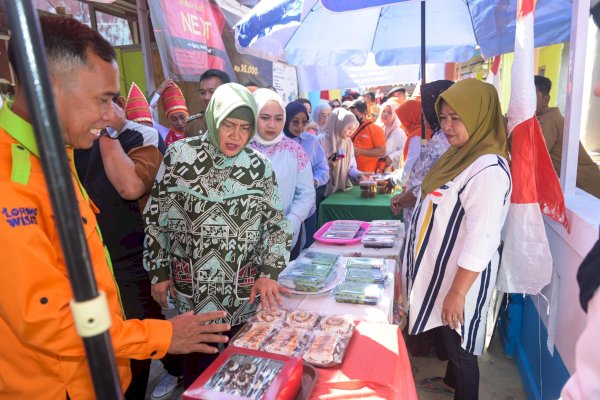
<point x="494" y="75"/>
<point x="526" y="260"/>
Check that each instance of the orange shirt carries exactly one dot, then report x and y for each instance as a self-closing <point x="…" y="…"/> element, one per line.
<point x="367" y="136"/>
<point x="42" y="356"/>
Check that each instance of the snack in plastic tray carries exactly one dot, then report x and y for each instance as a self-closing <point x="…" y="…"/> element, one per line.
<point x="302" y="319"/>
<point x="365" y="275"/>
<point x="287" y="341"/>
<point x="270" y="316"/>
<point x="383" y="230"/>
<point x="339" y="235"/>
<point x="316" y="257"/>
<point x="245" y="376"/>
<point x="357" y="292"/>
<point x="254" y="335"/>
<point x="387" y="223"/>
<point x="365" y="262"/>
<point x="342" y="324"/>
<point x="322" y="348"/>
<point x="306" y="277"/>
<point x="379" y="241"/>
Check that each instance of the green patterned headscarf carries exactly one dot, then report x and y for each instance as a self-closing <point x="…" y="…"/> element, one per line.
<point x="477" y="105"/>
<point x="224" y="101"/>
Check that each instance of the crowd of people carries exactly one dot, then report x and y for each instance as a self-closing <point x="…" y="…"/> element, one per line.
<point x="202" y="216"/>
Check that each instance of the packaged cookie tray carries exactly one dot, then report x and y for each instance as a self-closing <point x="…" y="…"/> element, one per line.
<point x="248" y="374"/>
<point x="317" y="257"/>
<point x="320" y="340"/>
<point x="306" y="277"/>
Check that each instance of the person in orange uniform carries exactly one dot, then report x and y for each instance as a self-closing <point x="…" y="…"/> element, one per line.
<point x="41" y="354"/>
<point x="368" y="139"/>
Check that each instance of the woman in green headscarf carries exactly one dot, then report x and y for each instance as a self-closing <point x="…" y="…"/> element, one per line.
<point x="453" y="247"/>
<point x="216" y="236"/>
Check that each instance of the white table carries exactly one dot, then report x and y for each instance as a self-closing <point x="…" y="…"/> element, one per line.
<point x="325" y="304"/>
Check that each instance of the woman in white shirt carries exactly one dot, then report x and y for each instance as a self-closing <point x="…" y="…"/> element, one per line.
<point x="453" y="244"/>
<point x="290" y="162"/>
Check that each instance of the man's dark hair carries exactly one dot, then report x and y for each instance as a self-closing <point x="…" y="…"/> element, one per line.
<point x="360" y="106"/>
<point x="370" y="94"/>
<point x="542" y="84"/>
<point x="215" y="73"/>
<point x="67" y="41"/>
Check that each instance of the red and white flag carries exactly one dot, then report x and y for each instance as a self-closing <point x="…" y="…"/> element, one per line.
<point x="526" y="259"/>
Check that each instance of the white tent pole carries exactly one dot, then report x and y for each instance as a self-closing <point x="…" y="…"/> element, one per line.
<point x="577" y="57"/>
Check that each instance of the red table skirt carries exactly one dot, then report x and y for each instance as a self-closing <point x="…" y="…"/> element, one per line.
<point x="375" y="366"/>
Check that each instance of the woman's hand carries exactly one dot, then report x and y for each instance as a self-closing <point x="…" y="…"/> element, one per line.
<point x="159" y="292"/>
<point x="396" y="204"/>
<point x="453" y="310"/>
<point x="161" y="88"/>
<point x="269" y="290"/>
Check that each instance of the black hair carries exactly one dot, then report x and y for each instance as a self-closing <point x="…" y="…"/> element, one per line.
<point x="370" y="94"/>
<point x="542" y="84"/>
<point x="215" y="73"/>
<point x="67" y="39"/>
<point x="303" y="100"/>
<point x="360" y="105"/>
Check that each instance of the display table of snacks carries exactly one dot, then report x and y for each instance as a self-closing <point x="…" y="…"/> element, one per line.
<point x="376" y="366"/>
<point x="351" y="206"/>
<point x="358" y="249"/>
<point x="324" y="303"/>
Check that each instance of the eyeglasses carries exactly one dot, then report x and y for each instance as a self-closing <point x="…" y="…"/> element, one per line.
<point x="296" y="122"/>
<point x="230" y="127"/>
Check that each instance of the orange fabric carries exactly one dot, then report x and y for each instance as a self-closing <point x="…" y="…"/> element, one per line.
<point x="367" y="136"/>
<point x="410" y="116"/>
<point x="42" y="355"/>
<point x="375" y="366"/>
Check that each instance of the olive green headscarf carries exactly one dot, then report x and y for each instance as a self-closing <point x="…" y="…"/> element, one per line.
<point x="478" y="107"/>
<point x="224" y="101"/>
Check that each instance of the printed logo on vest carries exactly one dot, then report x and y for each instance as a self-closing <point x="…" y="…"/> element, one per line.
<point x="21" y="216"/>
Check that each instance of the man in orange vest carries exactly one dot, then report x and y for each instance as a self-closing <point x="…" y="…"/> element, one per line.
<point x="368" y="139"/>
<point x="42" y="356"/>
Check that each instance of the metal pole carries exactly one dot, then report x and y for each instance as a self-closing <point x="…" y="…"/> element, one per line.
<point x="35" y="79"/>
<point x="423" y="61"/>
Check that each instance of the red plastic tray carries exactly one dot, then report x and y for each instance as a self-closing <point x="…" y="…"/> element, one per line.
<point x="318" y="236"/>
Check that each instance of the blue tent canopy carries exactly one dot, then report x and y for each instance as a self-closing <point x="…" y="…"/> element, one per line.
<point x="305" y="32"/>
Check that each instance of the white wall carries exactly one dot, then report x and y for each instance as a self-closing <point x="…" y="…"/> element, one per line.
<point x="563" y="317"/>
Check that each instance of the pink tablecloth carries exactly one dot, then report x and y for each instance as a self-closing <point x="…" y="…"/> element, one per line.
<point x="376" y="366"/>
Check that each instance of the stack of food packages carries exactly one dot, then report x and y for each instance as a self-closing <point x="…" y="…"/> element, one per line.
<point x="382" y="234"/>
<point x="319" y="340"/>
<point x="311" y="272"/>
<point x="363" y="282"/>
<point x="343" y="230"/>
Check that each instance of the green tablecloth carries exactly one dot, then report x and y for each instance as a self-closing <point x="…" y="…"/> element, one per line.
<point x="349" y="205"/>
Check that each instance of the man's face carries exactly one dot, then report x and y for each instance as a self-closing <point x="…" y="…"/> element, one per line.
<point x="359" y="116"/>
<point x="400" y="96"/>
<point x="541" y="101"/>
<point x="207" y="88"/>
<point x="83" y="97"/>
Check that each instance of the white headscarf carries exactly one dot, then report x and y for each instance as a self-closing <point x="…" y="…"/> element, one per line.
<point x="322" y="105"/>
<point x="262" y="97"/>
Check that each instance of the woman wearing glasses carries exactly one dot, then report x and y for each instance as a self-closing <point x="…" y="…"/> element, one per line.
<point x="296" y="119"/>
